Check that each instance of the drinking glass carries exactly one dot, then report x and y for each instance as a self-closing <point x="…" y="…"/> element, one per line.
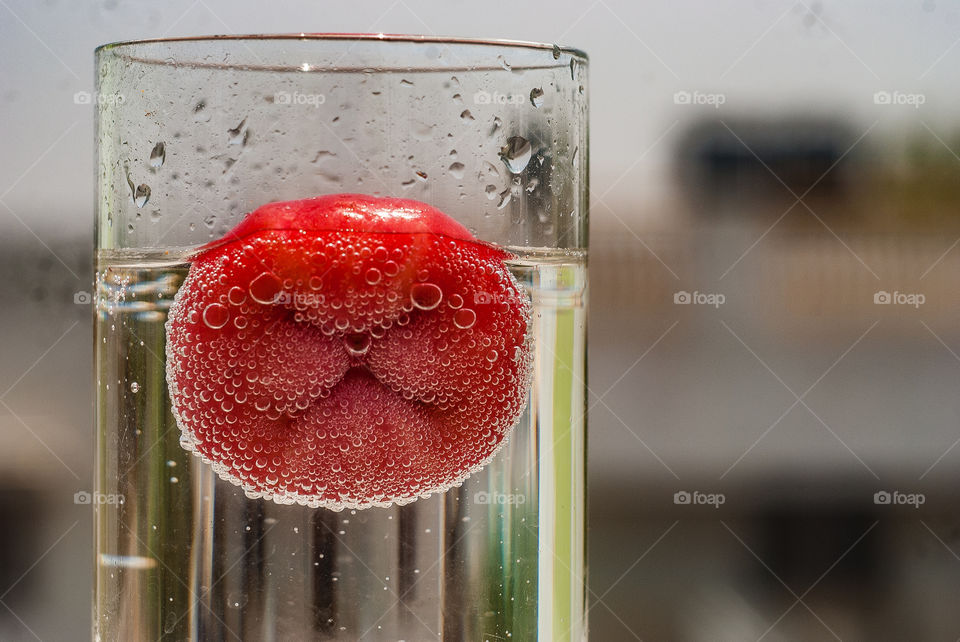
<point x="194" y="133"/>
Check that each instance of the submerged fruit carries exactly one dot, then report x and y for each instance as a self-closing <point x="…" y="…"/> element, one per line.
<point x="348" y="351"/>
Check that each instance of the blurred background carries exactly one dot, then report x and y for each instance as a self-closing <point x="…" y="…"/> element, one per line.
<point x="774" y="312"/>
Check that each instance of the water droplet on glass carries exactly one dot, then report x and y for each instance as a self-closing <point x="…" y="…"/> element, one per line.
<point x="158" y="155"/>
<point x="426" y="296"/>
<point x="200" y="115"/>
<point x="265" y="288"/>
<point x="466" y="115"/>
<point x="238" y="135"/>
<point x="421" y="175"/>
<point x="141" y="195"/>
<point x="357" y="344"/>
<point x="464" y="318"/>
<point x="456" y="170"/>
<point x="497" y="123"/>
<point x="536" y="97"/>
<point x="503" y="63"/>
<point x="516" y="153"/>
<point x="505" y="197"/>
<point x="491" y="191"/>
<point x="215" y="316"/>
<point x="556" y="52"/>
<point x="134" y="387"/>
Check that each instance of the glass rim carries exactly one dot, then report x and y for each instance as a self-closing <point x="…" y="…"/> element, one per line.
<point x="501" y="43"/>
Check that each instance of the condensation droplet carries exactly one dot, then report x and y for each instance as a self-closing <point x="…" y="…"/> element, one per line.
<point x="516" y="153"/>
<point x="556" y="52"/>
<point x="134" y="387"/>
<point x="158" y="155"/>
<point x="456" y="170"/>
<point x="536" y="97"/>
<point x="464" y="318"/>
<point x="141" y="195"/>
<point x="466" y="115"/>
<point x="426" y="296"/>
<point x="215" y="316"/>
<point x="238" y="135"/>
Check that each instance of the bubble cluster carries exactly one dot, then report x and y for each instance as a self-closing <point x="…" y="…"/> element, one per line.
<point x="348" y="369"/>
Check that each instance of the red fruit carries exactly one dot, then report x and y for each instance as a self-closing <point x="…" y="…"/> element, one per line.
<point x="348" y="351"/>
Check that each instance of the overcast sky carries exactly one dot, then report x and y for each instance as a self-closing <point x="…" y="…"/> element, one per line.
<point x="765" y="57"/>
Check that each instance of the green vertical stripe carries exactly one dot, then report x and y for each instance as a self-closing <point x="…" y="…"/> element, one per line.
<point x="563" y="454"/>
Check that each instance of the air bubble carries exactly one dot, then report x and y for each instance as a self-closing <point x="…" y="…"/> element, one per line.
<point x="426" y="296"/>
<point x="372" y="276"/>
<point x="265" y="288"/>
<point x="134" y="387"/>
<point x="236" y="295"/>
<point x="464" y="318"/>
<point x="215" y="316"/>
<point x="357" y="345"/>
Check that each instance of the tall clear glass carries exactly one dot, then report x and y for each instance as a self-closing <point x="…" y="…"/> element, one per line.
<point x="193" y="134"/>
